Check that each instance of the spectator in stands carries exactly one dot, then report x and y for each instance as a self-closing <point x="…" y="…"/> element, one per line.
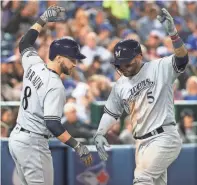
<point x="104" y="34"/>
<point x="62" y="30"/>
<point x="98" y="20"/>
<point x="80" y="20"/>
<point x="95" y="67"/>
<point x="186" y="128"/>
<point x="70" y="99"/>
<point x="135" y="14"/>
<point x="91" y="50"/>
<point x="81" y="38"/>
<point x="117" y="11"/>
<point x="173" y="9"/>
<point x="152" y="43"/>
<point x="191" y="7"/>
<point x="192" y="47"/>
<point x="180" y="26"/>
<point x="74" y="125"/>
<point x="191" y="88"/>
<point x="9" y="84"/>
<point x="4" y="129"/>
<point x="22" y="15"/>
<point x="104" y="86"/>
<point x="149" y="22"/>
<point x="126" y="134"/>
<point x="7" y="116"/>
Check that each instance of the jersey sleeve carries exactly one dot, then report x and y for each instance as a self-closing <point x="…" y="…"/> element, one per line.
<point x="168" y="68"/>
<point x="53" y="104"/>
<point x="113" y="105"/>
<point x="30" y="57"/>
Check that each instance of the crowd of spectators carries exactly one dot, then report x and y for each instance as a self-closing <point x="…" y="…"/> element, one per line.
<point x="97" y="26"/>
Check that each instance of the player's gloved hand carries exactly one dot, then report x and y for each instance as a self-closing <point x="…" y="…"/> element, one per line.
<point x="52" y="14"/>
<point x="100" y="141"/>
<point x="166" y="19"/>
<point x="84" y="154"/>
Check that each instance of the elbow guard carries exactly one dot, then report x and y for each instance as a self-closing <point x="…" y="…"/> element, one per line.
<point x="55" y="127"/>
<point x="181" y="62"/>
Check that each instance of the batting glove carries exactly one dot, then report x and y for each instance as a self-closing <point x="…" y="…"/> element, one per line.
<point x="52" y="14"/>
<point x="166" y="19"/>
<point x="100" y="141"/>
<point x="84" y="154"/>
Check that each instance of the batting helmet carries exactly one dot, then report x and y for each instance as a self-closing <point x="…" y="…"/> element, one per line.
<point x="65" y="47"/>
<point x="126" y="50"/>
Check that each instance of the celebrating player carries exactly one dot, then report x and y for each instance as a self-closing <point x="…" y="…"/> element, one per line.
<point x="145" y="92"/>
<point x="42" y="102"/>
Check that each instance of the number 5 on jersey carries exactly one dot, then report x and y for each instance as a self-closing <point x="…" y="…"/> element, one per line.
<point x="150" y="97"/>
<point x="27" y="94"/>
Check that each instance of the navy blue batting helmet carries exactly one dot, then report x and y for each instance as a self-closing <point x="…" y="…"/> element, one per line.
<point x="66" y="47"/>
<point x="126" y="50"/>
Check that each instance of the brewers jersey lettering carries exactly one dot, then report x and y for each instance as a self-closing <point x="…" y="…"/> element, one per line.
<point x="41" y="89"/>
<point x="147" y="97"/>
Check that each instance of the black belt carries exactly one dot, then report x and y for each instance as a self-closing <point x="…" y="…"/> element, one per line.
<point x="154" y="132"/>
<point x="27" y="131"/>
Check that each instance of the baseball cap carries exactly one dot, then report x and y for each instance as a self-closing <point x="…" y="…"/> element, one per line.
<point x="178" y="20"/>
<point x="106" y="26"/>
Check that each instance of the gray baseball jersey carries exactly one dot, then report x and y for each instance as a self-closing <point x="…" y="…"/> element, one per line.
<point x="147" y="97"/>
<point x="43" y="94"/>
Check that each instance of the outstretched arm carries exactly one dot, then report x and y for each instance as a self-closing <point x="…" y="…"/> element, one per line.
<point x="100" y="141"/>
<point x="50" y="15"/>
<point x="181" y="54"/>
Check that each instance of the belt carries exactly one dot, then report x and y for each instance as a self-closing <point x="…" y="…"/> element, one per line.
<point x="154" y="132"/>
<point x="27" y="131"/>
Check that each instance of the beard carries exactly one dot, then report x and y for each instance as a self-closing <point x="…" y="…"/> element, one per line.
<point x="65" y="70"/>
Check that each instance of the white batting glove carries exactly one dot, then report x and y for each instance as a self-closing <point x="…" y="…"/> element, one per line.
<point x="52" y="14"/>
<point x="100" y="141"/>
<point x="166" y="19"/>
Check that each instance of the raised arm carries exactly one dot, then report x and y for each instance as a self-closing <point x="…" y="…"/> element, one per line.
<point x="180" y="51"/>
<point x="50" y="15"/>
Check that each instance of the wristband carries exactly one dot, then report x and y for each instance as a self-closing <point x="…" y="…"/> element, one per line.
<point x="41" y="22"/>
<point x="73" y="143"/>
<point x="176" y="41"/>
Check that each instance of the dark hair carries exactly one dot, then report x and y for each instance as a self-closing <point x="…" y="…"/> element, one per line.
<point x="184" y="112"/>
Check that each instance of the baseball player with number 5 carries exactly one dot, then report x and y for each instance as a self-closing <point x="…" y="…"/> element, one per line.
<point x="42" y="102"/>
<point x="145" y="92"/>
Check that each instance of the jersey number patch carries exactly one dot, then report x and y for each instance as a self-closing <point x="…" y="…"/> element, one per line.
<point x="150" y="97"/>
<point x="27" y="94"/>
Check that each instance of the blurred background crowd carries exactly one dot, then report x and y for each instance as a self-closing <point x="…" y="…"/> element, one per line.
<point x="97" y="26"/>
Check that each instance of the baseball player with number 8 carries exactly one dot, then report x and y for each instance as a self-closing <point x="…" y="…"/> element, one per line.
<point x="145" y="92"/>
<point x="42" y="102"/>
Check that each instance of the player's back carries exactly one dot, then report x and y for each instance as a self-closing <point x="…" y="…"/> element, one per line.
<point x="38" y="82"/>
